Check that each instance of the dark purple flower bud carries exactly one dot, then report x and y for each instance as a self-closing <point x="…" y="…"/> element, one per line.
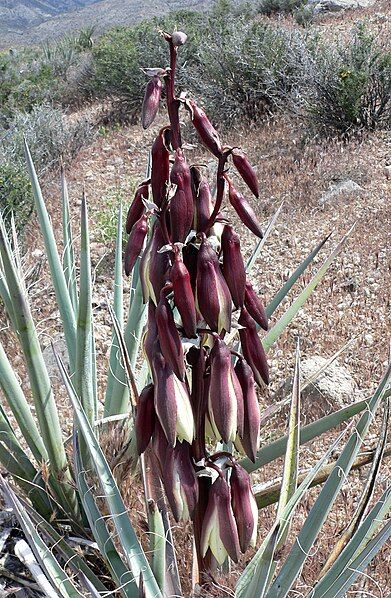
<point x="244" y="507"/>
<point x="151" y="101"/>
<point x="205" y="129"/>
<point x="190" y="259"/>
<point x="181" y="204"/>
<point x="224" y="390"/>
<point x="154" y="266"/>
<point x="244" y="210"/>
<point x="160" y="168"/>
<point x="246" y="171"/>
<point x="199" y="398"/>
<point x="219" y="531"/>
<point x="180" y="482"/>
<point x="181" y="215"/>
<point x="172" y="401"/>
<point x="213" y="297"/>
<point x="251" y="414"/>
<point x="183" y="296"/>
<point x="252" y="348"/>
<point x="233" y="265"/>
<point x="137" y="207"/>
<point x="202" y="199"/>
<point x="169" y="338"/>
<point x="135" y="243"/>
<point x="255" y="307"/>
<point x="145" y="418"/>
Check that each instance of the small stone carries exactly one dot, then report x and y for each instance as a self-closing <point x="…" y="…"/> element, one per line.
<point x="368" y="338"/>
<point x="343" y="188"/>
<point x="334" y="387"/>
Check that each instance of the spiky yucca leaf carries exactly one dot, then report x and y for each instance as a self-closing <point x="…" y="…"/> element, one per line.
<point x="247" y="575"/>
<point x="259" y="246"/>
<point x="46" y="410"/>
<point x="291" y="568"/>
<point x="63" y="298"/>
<point x="365" y="497"/>
<point x="293" y="309"/>
<point x="59" y="545"/>
<point x="133" y="551"/>
<point x="283" y="292"/>
<point x="358" y="552"/>
<point x="277" y="448"/>
<point x="117" y="397"/>
<point x="56" y="575"/>
<point x="69" y="264"/>
<point x="85" y="353"/>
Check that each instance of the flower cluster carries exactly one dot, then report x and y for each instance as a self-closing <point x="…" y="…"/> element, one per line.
<point x="194" y="281"/>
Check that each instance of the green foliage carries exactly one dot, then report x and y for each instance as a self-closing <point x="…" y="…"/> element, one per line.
<point x="25" y="80"/>
<point x="15" y="194"/>
<point x="269" y="7"/>
<point x="251" y="67"/>
<point x="351" y="86"/>
<point x="48" y="133"/>
<point x="105" y="229"/>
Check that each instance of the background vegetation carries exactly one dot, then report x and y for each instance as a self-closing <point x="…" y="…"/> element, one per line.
<point x="252" y="67"/>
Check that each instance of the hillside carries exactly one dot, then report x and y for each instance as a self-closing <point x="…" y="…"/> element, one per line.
<point x="32" y="21"/>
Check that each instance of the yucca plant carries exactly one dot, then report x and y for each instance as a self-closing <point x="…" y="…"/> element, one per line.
<point x="182" y="381"/>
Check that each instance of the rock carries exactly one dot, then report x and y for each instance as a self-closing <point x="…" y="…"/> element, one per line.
<point x="335" y="190"/>
<point x="387" y="171"/>
<point x="337" y="5"/>
<point x="333" y="389"/>
<point x="48" y="355"/>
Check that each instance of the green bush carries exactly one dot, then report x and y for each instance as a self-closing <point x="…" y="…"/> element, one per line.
<point x="269" y="7"/>
<point x="15" y="194"/>
<point x="252" y="69"/>
<point x="49" y="134"/>
<point x="25" y="80"/>
<point x="351" y="86"/>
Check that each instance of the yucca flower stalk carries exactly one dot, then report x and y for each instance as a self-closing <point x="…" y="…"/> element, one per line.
<point x="198" y="292"/>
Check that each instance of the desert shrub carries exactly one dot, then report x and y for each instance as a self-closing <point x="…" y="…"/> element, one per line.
<point x="47" y="130"/>
<point x="15" y="194"/>
<point x="350" y="86"/>
<point x="304" y="14"/>
<point x="33" y="76"/>
<point x="51" y="136"/>
<point x="252" y="67"/>
<point x="269" y="7"/>
<point x="25" y="80"/>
